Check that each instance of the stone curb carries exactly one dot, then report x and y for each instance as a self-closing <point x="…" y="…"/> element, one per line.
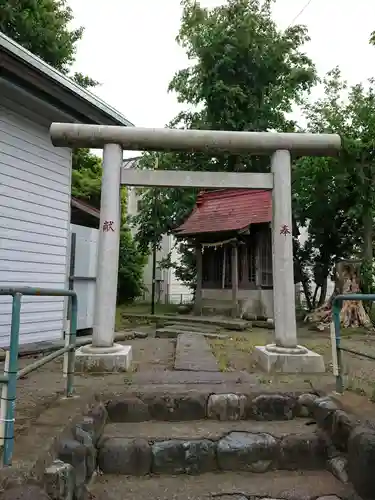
<point x="350" y="444"/>
<point x="65" y="466"/>
<point x="195" y="405"/>
<point x="235" y="451"/>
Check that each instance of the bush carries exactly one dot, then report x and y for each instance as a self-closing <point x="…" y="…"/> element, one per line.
<point x="130" y="275"/>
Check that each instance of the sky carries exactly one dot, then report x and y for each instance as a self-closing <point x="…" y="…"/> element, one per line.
<point x="129" y="47"/>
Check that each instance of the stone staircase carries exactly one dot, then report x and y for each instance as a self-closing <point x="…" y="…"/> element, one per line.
<point x="195" y="445"/>
<point x="169" y="443"/>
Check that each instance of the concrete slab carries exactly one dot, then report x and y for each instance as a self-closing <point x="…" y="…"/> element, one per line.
<point x="194" y="354"/>
<point x="229" y="324"/>
<point x="96" y="360"/>
<point x="172" y="333"/>
<point x="306" y="362"/>
<point x="190" y="327"/>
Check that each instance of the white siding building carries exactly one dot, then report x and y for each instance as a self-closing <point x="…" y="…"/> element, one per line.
<point x="35" y="185"/>
<point x="168" y="287"/>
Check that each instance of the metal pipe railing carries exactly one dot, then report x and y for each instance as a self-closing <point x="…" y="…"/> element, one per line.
<point x="336" y="335"/>
<point x="11" y="373"/>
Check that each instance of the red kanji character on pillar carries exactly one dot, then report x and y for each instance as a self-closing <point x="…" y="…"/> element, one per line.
<point x="284" y="230"/>
<point x="108" y="226"/>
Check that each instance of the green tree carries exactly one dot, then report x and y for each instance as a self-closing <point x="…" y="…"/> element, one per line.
<point x="87" y="176"/>
<point x="42" y="27"/>
<point x="130" y="273"/>
<point x="245" y="74"/>
<point x="334" y="197"/>
<point x="86" y="185"/>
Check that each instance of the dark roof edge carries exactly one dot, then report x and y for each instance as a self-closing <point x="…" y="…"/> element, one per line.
<point x="85" y="207"/>
<point x="50" y="73"/>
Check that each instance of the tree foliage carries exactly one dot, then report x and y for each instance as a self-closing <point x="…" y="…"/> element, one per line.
<point x="244" y="74"/>
<point x="87" y="176"/>
<point x="43" y="28"/>
<point x="334" y="197"/>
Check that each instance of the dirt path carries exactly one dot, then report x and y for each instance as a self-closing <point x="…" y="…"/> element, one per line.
<point x="38" y="390"/>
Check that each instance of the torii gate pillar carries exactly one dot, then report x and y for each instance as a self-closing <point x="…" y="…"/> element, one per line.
<point x="285" y="354"/>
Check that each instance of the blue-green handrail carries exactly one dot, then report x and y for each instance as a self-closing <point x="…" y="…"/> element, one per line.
<point x="336" y="309"/>
<point x="10" y="378"/>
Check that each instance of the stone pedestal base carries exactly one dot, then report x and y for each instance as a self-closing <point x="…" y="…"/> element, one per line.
<point x="117" y="358"/>
<point x="272" y="358"/>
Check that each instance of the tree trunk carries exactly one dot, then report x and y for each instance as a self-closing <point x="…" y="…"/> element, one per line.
<point x="315" y="295"/>
<point x="352" y="314"/>
<point x="367" y="255"/>
<point x="306" y="291"/>
<point x="323" y="292"/>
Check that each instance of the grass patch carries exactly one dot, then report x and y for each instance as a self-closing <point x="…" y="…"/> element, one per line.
<point x="122" y="322"/>
<point x="225" y="349"/>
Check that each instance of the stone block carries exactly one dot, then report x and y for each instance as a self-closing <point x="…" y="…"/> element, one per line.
<point x="74" y="453"/>
<point x="140" y="335"/>
<point x="246" y="451"/>
<point x="226" y="406"/>
<point x="302" y="452"/>
<point x="272" y="407"/>
<point x="180" y="456"/>
<point x="332" y="497"/>
<point x="85" y="438"/>
<point x="323" y="412"/>
<point x="125" y="456"/>
<point x="338" y="466"/>
<point x="174" y="407"/>
<point x="59" y="481"/>
<point x="305" y="405"/>
<point x="99" y="416"/>
<point x="92" y="360"/>
<point x="361" y="461"/>
<point x="308" y="362"/>
<point x="342" y="426"/>
<point x="127" y="410"/>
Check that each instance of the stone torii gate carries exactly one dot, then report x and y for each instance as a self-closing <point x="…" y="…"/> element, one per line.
<point x="285" y="354"/>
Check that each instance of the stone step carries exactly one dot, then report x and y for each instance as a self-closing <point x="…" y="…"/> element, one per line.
<point x="275" y="485"/>
<point x="170" y="332"/>
<point x="205" y="446"/>
<point x="186" y="377"/>
<point x="189" y="327"/>
<point x="154" y="430"/>
<point x="194" y="354"/>
<point x="229" y="324"/>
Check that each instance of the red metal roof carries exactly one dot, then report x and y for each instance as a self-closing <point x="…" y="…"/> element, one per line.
<point x="228" y="210"/>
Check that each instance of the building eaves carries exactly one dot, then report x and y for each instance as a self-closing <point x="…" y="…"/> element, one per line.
<point x="63" y="81"/>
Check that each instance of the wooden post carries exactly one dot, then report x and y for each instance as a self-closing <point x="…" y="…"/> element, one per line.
<point x="224" y="266"/>
<point x="234" y="279"/>
<point x="245" y="266"/>
<point x="198" y="290"/>
<point x="258" y="260"/>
